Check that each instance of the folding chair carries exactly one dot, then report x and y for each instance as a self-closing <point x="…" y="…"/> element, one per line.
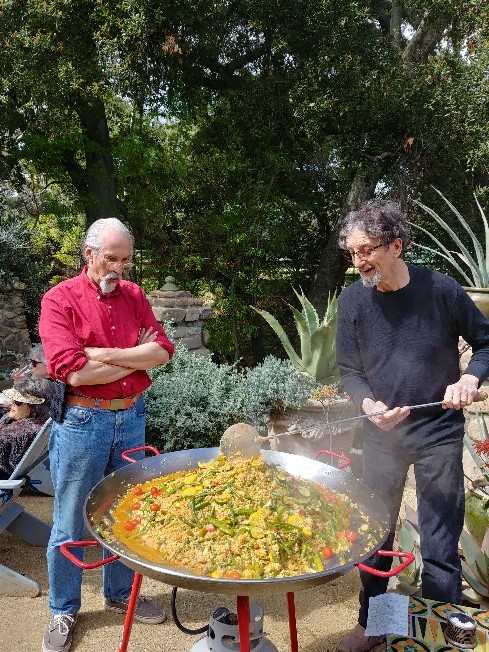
<point x="16" y="520"/>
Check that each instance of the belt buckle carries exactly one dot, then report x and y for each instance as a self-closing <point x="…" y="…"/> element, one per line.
<point x="118" y="404"/>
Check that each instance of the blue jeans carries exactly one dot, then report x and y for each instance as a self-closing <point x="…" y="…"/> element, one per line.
<point x="83" y="449"/>
<point x="440" y="496"/>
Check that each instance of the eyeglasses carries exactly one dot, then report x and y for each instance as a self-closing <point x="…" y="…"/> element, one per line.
<point x="18" y="403"/>
<point x="366" y="252"/>
<point x="112" y="260"/>
<point x="34" y="363"/>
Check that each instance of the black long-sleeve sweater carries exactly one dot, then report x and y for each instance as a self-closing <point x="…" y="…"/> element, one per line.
<point x="401" y="348"/>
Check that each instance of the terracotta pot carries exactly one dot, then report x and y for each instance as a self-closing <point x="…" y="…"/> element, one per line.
<point x="480" y="296"/>
<point x="312" y="429"/>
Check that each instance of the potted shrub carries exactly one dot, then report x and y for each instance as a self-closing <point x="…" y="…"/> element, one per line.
<point x="306" y="430"/>
<point x="472" y="265"/>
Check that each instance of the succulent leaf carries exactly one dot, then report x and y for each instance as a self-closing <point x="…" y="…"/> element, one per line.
<point x="471" y="596"/>
<point x="274" y="323"/>
<point x="407" y="589"/>
<point x="323" y="347"/>
<point x="474" y="580"/>
<point x="478" y="265"/>
<point x="309" y="311"/>
<point x="317" y="338"/>
<point x="304" y="336"/>
<point x="474" y="558"/>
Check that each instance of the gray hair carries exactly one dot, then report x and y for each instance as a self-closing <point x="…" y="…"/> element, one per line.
<point x="382" y="219"/>
<point x="38" y="351"/>
<point x="94" y="234"/>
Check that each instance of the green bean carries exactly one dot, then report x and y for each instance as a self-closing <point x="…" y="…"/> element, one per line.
<point x="221" y="525"/>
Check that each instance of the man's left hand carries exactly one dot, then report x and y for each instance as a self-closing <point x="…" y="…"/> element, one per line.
<point x="147" y="335"/>
<point x="461" y="393"/>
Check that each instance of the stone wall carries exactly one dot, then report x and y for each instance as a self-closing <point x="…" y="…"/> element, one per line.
<point x="14" y="336"/>
<point x="187" y="313"/>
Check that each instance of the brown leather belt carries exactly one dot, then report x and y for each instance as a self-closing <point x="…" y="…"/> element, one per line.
<point x="102" y="403"/>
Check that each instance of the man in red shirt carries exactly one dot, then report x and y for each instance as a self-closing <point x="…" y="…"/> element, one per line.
<point x="100" y="336"/>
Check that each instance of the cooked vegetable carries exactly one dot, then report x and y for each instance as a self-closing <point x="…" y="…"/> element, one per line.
<point x="239" y="519"/>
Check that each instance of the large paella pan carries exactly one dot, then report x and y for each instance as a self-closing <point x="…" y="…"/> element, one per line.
<point x="101" y="501"/>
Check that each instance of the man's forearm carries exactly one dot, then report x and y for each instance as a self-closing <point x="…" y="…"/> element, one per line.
<point x="143" y="356"/>
<point x="97" y="373"/>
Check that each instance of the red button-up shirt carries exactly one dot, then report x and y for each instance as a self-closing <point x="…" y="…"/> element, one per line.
<point x="75" y="314"/>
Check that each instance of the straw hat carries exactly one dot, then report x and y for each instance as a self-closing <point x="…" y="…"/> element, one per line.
<point x="22" y="397"/>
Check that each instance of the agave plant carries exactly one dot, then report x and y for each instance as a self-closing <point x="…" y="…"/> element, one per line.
<point x="408" y="540"/>
<point x="475" y="568"/>
<point x="317" y="339"/>
<point x="477" y="274"/>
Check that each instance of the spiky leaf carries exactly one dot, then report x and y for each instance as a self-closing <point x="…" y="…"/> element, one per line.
<point x="407" y="589"/>
<point x="474" y="581"/>
<point x="471" y="596"/>
<point x="294" y="358"/>
<point x="473" y="555"/>
<point x="304" y="336"/>
<point x="323" y="347"/>
<point x="309" y="311"/>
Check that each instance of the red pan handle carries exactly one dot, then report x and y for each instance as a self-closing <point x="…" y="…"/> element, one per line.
<point x="394" y="571"/>
<point x="346" y="459"/>
<point x="126" y="457"/>
<point x="78" y="562"/>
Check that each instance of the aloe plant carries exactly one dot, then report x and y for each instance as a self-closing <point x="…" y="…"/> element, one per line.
<point x="476" y="270"/>
<point x="317" y="339"/>
<point x="475" y="568"/>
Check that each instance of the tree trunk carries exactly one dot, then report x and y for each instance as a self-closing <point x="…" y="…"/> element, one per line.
<point x="100" y="195"/>
<point x="332" y="266"/>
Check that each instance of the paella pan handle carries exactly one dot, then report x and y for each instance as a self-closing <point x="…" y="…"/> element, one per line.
<point x="409" y="558"/>
<point x="78" y="562"/>
<point x="340" y="466"/>
<point x="126" y="457"/>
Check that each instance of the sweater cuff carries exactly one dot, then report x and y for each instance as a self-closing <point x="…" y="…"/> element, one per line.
<point x="477" y="369"/>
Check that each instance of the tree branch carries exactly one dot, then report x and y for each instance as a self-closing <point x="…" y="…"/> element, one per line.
<point x="425" y="39"/>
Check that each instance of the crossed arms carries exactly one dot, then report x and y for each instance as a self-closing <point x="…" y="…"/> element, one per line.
<point x="106" y="365"/>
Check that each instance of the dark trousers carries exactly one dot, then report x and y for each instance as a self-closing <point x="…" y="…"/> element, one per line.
<point x="440" y="495"/>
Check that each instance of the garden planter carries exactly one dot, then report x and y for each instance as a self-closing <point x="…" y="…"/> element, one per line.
<point x="480" y="296"/>
<point x="308" y="428"/>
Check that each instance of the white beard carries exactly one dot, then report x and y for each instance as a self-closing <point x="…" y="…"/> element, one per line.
<point x="109" y="282"/>
<point x="371" y="281"/>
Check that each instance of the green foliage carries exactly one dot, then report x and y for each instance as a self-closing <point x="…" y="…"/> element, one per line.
<point x="317" y="338"/>
<point x="477" y="260"/>
<point x="475" y="567"/>
<point x="479" y="449"/>
<point x="193" y="400"/>
<point x="408" y="540"/>
<point x="20" y="260"/>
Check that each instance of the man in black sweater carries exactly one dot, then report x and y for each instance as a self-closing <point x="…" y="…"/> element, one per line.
<point x="397" y="345"/>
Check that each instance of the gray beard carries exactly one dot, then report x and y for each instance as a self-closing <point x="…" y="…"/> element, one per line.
<point x="108" y="283"/>
<point x="371" y="281"/>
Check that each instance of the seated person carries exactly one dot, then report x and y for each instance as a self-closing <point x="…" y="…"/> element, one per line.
<point x="19" y="427"/>
<point x="35" y="379"/>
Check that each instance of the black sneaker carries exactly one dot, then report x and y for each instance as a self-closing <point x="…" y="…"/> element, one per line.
<point x="146" y="611"/>
<point x="59" y="634"/>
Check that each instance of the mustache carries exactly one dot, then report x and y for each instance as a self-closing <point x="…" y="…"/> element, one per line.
<point x="111" y="276"/>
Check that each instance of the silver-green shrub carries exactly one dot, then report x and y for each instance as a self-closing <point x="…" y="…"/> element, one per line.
<point x="193" y="400"/>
